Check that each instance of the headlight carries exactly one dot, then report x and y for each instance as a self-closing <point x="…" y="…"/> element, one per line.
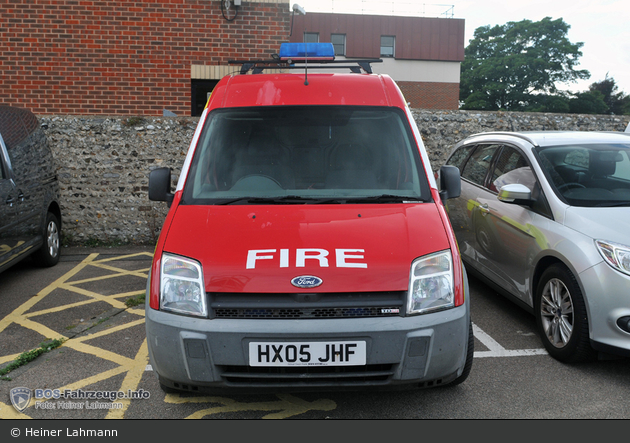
<point x="431" y="283"/>
<point x="181" y="286"/>
<point x="616" y="255"/>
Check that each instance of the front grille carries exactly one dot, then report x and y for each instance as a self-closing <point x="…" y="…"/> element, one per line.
<point x="306" y="306"/>
<point x="310" y="376"/>
<point x="307" y="313"/>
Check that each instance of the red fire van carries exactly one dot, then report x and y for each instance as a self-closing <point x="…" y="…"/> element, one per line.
<point x="306" y="244"/>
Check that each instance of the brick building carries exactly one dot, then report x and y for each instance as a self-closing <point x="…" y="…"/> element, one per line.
<point x="423" y="55"/>
<point x="128" y="58"/>
<point x="160" y="57"/>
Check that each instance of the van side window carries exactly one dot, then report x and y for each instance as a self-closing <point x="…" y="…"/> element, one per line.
<point x="2" y="167"/>
<point x="12" y="128"/>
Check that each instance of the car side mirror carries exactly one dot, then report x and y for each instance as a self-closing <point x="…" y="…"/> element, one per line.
<point x="450" y="182"/>
<point x="515" y="193"/>
<point x="160" y="185"/>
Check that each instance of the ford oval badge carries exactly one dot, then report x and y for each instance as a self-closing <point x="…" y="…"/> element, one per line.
<point x="306" y="281"/>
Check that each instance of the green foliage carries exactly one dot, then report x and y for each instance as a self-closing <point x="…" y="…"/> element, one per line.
<point x="558" y="103"/>
<point x="133" y="121"/>
<point x="589" y="102"/>
<point x="616" y="101"/>
<point x="505" y="66"/>
<point x="135" y="301"/>
<point x="29" y="356"/>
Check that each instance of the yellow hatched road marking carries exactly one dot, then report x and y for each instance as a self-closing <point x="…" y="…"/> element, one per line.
<point x="20" y="310"/>
<point x="97" y="297"/>
<point x="98" y="352"/>
<point x="287" y="405"/>
<point x="8" y="412"/>
<point x="58" y="308"/>
<point x="38" y="327"/>
<point x="133" y="368"/>
<point x="108" y="331"/>
<point x="132" y="380"/>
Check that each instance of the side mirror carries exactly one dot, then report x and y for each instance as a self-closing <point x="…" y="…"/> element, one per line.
<point x="515" y="193"/>
<point x="160" y="185"/>
<point x="450" y="182"/>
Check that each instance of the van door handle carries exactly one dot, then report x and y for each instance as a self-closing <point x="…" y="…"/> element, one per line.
<point x="484" y="209"/>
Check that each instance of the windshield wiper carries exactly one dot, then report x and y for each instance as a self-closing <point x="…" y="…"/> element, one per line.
<point x="231" y="201"/>
<point x="299" y="200"/>
<point x="384" y="198"/>
<point x="611" y="204"/>
<point x="284" y="200"/>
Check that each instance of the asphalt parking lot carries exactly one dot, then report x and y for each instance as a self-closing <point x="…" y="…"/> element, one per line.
<point x="91" y="300"/>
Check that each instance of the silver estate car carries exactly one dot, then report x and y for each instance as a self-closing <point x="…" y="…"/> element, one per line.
<point x="544" y="218"/>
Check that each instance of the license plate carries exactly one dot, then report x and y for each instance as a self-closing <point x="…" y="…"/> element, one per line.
<point x="333" y="353"/>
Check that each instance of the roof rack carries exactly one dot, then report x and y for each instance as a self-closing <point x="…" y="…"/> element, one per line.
<point x="322" y="55"/>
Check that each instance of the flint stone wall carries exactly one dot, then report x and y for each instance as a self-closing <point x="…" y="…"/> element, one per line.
<point x="103" y="164"/>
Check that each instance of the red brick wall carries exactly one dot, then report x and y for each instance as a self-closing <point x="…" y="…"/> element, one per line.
<point x="425" y="95"/>
<point x="123" y="57"/>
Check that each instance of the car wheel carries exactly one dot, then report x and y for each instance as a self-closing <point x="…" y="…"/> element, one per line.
<point x="470" y="353"/>
<point x="48" y="255"/>
<point x="561" y="316"/>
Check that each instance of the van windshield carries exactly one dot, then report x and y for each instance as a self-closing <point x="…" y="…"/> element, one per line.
<point x="310" y="154"/>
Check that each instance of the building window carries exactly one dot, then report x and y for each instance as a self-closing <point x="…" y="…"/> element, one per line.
<point x="339" y="43"/>
<point x="311" y="37"/>
<point x="388" y="42"/>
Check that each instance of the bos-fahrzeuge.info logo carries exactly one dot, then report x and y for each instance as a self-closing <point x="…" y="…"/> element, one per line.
<point x="73" y="398"/>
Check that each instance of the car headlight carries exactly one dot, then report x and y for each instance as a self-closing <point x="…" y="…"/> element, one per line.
<point x="181" y="286"/>
<point x="431" y="283"/>
<point x="616" y="255"/>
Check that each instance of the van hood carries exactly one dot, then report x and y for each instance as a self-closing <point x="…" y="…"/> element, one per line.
<point x="612" y="224"/>
<point x="351" y="248"/>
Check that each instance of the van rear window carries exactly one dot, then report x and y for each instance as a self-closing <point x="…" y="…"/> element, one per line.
<point x="310" y="154"/>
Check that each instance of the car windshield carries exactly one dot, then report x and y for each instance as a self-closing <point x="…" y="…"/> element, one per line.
<point x="589" y="175"/>
<point x="314" y="154"/>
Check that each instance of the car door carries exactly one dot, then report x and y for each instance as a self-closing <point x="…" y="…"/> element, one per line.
<point x="466" y="211"/>
<point x="21" y="219"/>
<point x="30" y="178"/>
<point x="510" y="235"/>
<point x="8" y="207"/>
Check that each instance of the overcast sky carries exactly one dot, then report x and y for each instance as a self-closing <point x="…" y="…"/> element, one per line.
<point x="602" y="25"/>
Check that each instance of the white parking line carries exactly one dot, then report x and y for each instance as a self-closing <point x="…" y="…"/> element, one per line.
<point x="496" y="350"/>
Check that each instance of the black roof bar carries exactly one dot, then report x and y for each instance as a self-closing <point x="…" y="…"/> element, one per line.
<point x="259" y="65"/>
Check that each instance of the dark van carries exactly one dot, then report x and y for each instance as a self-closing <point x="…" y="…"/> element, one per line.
<point x="30" y="217"/>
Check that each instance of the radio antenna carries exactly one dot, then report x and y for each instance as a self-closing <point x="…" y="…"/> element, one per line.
<point x="305" y="66"/>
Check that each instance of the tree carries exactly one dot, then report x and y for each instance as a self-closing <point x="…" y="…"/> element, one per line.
<point x="558" y="103"/>
<point x="616" y="101"/>
<point x="506" y="66"/>
<point x="588" y="102"/>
